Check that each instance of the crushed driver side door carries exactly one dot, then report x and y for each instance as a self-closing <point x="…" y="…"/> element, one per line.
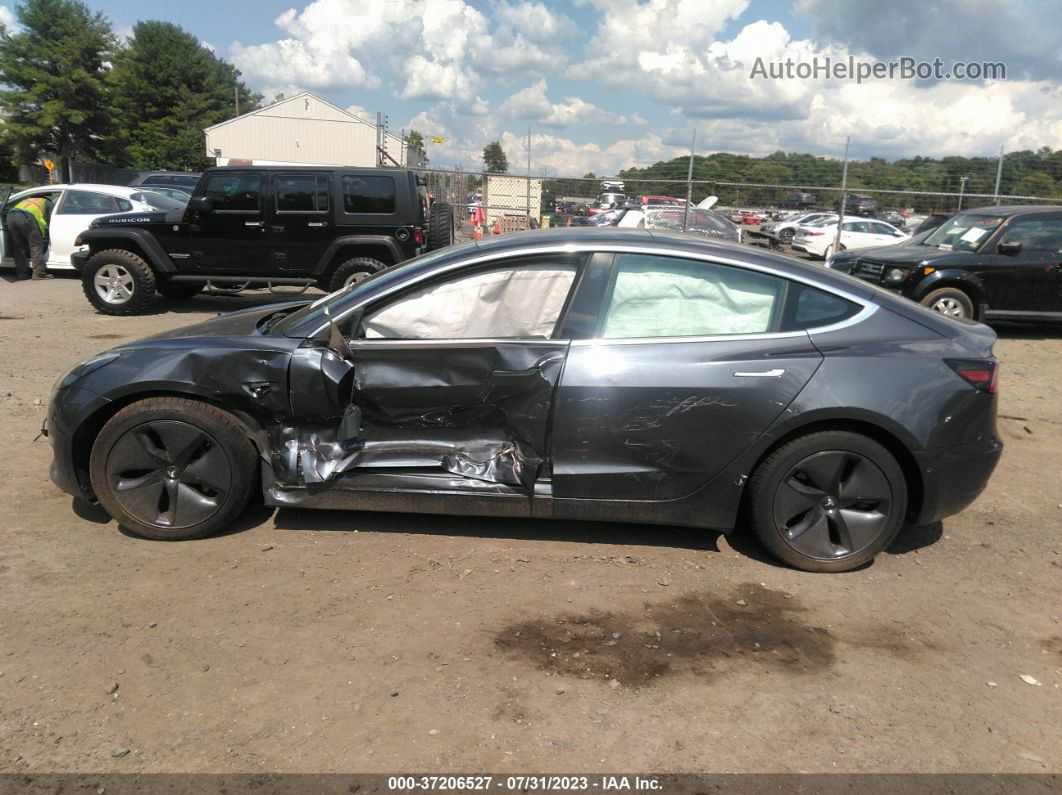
<point x="444" y="390"/>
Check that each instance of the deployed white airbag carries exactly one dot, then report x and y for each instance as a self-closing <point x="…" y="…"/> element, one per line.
<point x="507" y="303"/>
<point x="670" y="297"/>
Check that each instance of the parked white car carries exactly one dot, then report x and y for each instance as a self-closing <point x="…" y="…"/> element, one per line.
<point x="75" y="208"/>
<point x="818" y="238"/>
<point x="786" y="229"/>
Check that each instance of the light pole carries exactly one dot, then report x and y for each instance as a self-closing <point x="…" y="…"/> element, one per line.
<point x="962" y="188"/>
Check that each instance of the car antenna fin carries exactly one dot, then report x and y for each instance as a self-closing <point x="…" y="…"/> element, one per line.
<point x="336" y="342"/>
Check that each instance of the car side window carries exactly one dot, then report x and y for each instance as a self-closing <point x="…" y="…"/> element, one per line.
<point x="519" y="303"/>
<point x="234" y="192"/>
<point x="1035" y="234"/>
<point x="86" y="202"/>
<point x="301" y="193"/>
<point x="813" y="308"/>
<point x="655" y="296"/>
<point x="368" y="194"/>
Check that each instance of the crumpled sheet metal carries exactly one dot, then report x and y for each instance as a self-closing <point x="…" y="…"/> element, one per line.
<point x="491" y="425"/>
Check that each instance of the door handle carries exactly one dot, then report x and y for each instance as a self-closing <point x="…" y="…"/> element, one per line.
<point x="252" y="223"/>
<point x="764" y="374"/>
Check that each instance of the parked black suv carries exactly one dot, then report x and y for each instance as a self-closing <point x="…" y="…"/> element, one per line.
<point x="185" y="180"/>
<point x="244" y="226"/>
<point x="992" y="263"/>
<point x="798" y="200"/>
<point x="855" y="204"/>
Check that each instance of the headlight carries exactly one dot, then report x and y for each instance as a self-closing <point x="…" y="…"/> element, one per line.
<point x="79" y="371"/>
<point x="894" y="275"/>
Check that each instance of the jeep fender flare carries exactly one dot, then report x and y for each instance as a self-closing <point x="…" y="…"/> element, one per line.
<point x="355" y="242"/>
<point x="948" y="277"/>
<point x="145" y="241"/>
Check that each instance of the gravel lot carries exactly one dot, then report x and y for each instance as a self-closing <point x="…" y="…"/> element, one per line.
<point x="341" y="641"/>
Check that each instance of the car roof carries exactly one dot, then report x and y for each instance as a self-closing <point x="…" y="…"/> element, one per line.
<point x="1012" y="209"/>
<point x="114" y="190"/>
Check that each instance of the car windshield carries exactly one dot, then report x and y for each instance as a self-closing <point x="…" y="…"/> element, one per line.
<point x="158" y="201"/>
<point x="337" y="301"/>
<point x="964" y="232"/>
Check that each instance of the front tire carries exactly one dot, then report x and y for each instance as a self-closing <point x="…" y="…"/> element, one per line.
<point x="828" y="501"/>
<point x="353" y="271"/>
<point x="172" y="469"/>
<point x="118" y="282"/>
<point x="950" y="301"/>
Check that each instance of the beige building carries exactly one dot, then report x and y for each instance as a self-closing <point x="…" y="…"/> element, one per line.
<point x="300" y="130"/>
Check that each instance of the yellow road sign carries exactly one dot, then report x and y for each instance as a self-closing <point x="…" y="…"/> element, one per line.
<point x="48" y="164"/>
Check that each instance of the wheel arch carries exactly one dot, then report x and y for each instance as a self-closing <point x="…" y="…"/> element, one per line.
<point x="132" y="240"/>
<point x="864" y="427"/>
<point x="85" y="435"/>
<point x="958" y="280"/>
<point x="379" y="247"/>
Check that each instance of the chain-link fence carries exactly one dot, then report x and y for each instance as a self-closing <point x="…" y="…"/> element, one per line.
<point x="906" y="187"/>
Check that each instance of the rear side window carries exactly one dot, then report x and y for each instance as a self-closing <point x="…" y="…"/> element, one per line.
<point x="812" y="308"/>
<point x="301" y="193"/>
<point x="85" y="202"/>
<point x="234" y="192"/>
<point x="368" y="194"/>
<point x="653" y="296"/>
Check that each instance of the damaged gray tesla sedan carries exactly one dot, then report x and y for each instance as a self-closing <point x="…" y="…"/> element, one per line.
<point x="578" y="374"/>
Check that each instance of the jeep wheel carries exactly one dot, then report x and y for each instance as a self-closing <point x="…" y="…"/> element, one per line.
<point x="353" y="271"/>
<point x="179" y="291"/>
<point x="440" y="226"/>
<point x="118" y="282"/>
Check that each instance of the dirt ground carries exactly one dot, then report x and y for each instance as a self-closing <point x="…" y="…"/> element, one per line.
<point x="342" y="641"/>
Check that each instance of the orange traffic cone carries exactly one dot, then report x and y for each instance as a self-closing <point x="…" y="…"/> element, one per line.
<point x="476" y="233"/>
<point x="497" y="228"/>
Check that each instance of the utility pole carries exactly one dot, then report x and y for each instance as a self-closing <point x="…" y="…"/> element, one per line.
<point x="689" y="184"/>
<point x="962" y="189"/>
<point x="844" y="197"/>
<point x="999" y="174"/>
<point x="529" y="176"/>
<point x="236" y="93"/>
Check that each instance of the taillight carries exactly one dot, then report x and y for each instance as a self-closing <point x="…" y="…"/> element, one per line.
<point x="980" y="374"/>
<point x="418" y="235"/>
<point x="814" y="234"/>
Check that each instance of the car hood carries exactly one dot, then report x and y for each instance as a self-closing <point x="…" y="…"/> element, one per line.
<point x="901" y="255"/>
<point x="241" y="323"/>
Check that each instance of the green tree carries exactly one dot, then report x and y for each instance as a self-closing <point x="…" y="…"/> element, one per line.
<point x="167" y="88"/>
<point x="415" y="142"/>
<point x="54" y="70"/>
<point x="1036" y="183"/>
<point x="494" y="159"/>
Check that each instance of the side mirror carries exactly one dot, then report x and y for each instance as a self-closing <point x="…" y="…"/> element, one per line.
<point x="1010" y="247"/>
<point x="201" y="204"/>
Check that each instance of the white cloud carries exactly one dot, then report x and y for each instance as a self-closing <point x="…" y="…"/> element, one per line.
<point x="532" y="103"/>
<point x="8" y="19"/>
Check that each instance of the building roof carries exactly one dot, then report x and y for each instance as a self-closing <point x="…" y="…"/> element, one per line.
<point x="287" y="100"/>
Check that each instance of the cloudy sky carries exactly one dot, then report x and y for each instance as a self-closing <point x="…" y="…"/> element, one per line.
<point x="606" y="84"/>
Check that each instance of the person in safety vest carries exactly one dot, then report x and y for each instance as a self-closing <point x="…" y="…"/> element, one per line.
<point x="27" y="225"/>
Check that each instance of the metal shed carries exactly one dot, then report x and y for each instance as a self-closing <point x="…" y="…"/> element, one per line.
<point x="303" y="129"/>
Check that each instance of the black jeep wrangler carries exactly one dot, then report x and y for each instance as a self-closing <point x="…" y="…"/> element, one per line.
<point x="262" y="225"/>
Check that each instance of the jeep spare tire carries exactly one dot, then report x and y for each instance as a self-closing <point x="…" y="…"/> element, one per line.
<point x="440" y="226"/>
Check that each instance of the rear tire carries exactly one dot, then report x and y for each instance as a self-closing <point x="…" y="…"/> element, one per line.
<point x="118" y="282"/>
<point x="353" y="271"/>
<point x="828" y="501"/>
<point x="173" y="469"/>
<point x="440" y="226"/>
<point x="950" y="301"/>
<point x="179" y="291"/>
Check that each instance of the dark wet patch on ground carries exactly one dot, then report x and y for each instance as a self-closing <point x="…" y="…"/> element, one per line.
<point x="104" y="336"/>
<point x="701" y="634"/>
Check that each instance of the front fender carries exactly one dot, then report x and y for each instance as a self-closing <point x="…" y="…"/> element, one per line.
<point x="102" y="239"/>
<point x="948" y="277"/>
